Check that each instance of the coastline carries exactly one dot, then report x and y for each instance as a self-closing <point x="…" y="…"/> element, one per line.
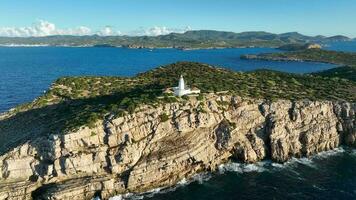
<point x="204" y="152"/>
<point x="265" y="166"/>
<point x="281" y="59"/>
<point x="160" y="143"/>
<point x="307" y="55"/>
<point x="129" y="47"/>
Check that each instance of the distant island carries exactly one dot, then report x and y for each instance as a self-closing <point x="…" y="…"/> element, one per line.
<point x="198" y="39"/>
<point x="345" y="60"/>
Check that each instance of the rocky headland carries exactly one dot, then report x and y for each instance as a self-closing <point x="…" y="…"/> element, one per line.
<point x="306" y="53"/>
<point x="139" y="152"/>
<point x="158" y="144"/>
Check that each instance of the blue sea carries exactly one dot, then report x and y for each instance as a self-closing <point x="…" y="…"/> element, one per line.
<point x="328" y="175"/>
<point x="26" y="72"/>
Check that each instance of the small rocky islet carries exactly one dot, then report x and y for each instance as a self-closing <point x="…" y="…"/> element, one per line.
<point x="104" y="136"/>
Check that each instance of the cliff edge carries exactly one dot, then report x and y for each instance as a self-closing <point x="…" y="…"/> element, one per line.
<point x="142" y="151"/>
<point x="157" y="144"/>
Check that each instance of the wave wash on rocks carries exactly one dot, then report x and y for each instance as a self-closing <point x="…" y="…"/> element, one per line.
<point x="141" y="151"/>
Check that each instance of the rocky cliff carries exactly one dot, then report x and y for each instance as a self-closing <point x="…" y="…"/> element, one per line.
<point x="158" y="146"/>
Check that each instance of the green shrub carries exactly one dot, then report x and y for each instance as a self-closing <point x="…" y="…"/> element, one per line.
<point x="164" y="117"/>
<point x="64" y="111"/>
<point x="200" y="97"/>
<point x="185" y="97"/>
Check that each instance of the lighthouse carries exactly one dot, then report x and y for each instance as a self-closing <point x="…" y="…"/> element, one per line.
<point x="181" y="90"/>
<point x="181" y="83"/>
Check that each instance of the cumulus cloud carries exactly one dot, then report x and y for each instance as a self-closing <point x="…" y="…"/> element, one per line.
<point x="158" y="30"/>
<point x="108" y="31"/>
<point x="42" y="28"/>
<point x="45" y="28"/>
<point x="81" y="30"/>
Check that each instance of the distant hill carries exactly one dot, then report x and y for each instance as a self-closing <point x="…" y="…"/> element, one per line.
<point x="338" y="38"/>
<point x="187" y="40"/>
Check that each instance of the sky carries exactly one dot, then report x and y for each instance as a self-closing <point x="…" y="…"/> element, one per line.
<point x="157" y="17"/>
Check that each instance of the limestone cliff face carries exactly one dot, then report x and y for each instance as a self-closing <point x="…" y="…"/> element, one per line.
<point x="144" y="150"/>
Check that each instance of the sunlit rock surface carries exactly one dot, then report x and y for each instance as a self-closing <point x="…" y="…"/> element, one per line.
<point x="138" y="152"/>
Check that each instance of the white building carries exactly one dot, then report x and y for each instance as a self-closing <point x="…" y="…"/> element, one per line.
<point x="181" y="90"/>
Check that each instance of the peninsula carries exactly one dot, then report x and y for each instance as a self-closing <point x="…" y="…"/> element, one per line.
<point x="103" y="136"/>
<point x="346" y="61"/>
<point x="309" y="55"/>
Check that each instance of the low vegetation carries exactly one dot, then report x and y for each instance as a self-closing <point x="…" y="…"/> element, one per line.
<point x="164" y="117"/>
<point x="72" y="102"/>
<point x="345" y="72"/>
<point x="345" y="60"/>
<point x="313" y="55"/>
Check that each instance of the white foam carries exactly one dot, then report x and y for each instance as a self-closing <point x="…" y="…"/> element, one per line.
<point x="304" y="161"/>
<point x="200" y="178"/>
<point x="183" y="182"/>
<point x="122" y="196"/>
<point x="151" y="193"/>
<point x="278" y="165"/>
<point x="353" y="152"/>
<point x="309" y="161"/>
<point x="119" y="197"/>
<point x="329" y="153"/>
<point x="241" y="167"/>
<point x="318" y="187"/>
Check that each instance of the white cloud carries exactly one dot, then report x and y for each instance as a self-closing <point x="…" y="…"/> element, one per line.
<point x="42" y="28"/>
<point x="81" y="30"/>
<point x="108" y="31"/>
<point x="158" y="30"/>
<point x="45" y="28"/>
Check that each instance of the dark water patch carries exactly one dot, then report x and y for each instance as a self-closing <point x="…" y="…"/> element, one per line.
<point x="328" y="175"/>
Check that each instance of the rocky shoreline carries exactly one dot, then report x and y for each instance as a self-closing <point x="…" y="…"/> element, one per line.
<point x="141" y="151"/>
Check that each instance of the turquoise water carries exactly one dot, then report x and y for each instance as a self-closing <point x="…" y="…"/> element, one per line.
<point x="26" y="72"/>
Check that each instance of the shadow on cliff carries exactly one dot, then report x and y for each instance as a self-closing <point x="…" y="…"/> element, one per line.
<point x="70" y="114"/>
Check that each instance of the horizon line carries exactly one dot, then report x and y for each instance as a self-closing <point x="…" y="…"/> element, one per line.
<point x="178" y="32"/>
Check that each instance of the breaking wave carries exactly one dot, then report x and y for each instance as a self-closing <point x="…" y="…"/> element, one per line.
<point x="310" y="162"/>
<point x="240" y="168"/>
<point x="199" y="178"/>
<point x="269" y="165"/>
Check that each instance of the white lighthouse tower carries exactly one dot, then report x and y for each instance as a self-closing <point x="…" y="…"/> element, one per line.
<point x="181" y="85"/>
<point x="181" y="90"/>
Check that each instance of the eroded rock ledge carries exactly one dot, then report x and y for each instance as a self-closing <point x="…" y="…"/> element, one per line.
<point x="138" y="152"/>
